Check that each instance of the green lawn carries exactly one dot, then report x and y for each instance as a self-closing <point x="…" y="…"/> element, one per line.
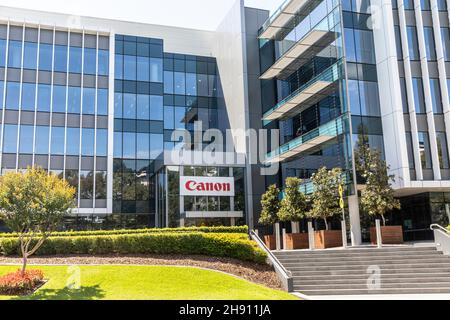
<point x="147" y="282"/>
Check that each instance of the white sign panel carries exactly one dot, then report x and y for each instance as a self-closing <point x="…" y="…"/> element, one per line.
<point x="207" y="186"/>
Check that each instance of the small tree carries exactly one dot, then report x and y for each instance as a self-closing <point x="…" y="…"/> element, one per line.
<point x="363" y="153"/>
<point x="377" y="197"/>
<point x="325" y="198"/>
<point x="293" y="205"/>
<point x="33" y="204"/>
<point x="270" y="204"/>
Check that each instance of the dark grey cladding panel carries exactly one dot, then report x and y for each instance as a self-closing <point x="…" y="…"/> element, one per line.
<point x="41" y="161"/>
<point x="74" y="79"/>
<point x="422" y="124"/>
<point x="90" y="41"/>
<point x="87" y="163"/>
<point x="433" y="70"/>
<point x="61" y="38"/>
<point x="59" y="78"/>
<point x="447" y="67"/>
<point x="439" y="122"/>
<point x="27" y="117"/>
<point x="443" y="19"/>
<point x="25" y="161"/>
<point x="11" y="117"/>
<point x="73" y="120"/>
<point x="15" y="33"/>
<point x="45" y="77"/>
<point x="43" y="118"/>
<point x="102" y="122"/>
<point x="395" y="16"/>
<point x="100" y="203"/>
<point x="72" y="162"/>
<point x="76" y="39"/>
<point x="103" y="42"/>
<point x="407" y="121"/>
<point x="56" y="162"/>
<point x="1" y="116"/>
<point x="3" y="31"/>
<point x="31" y="34"/>
<point x="58" y="119"/>
<point x="401" y="69"/>
<point x="88" y="81"/>
<point x="46" y="36"/>
<point x="9" y="161"/>
<point x="445" y="174"/>
<point x="29" y="76"/>
<point x="86" y="203"/>
<point x="13" y="74"/>
<point x="156" y="126"/>
<point x="103" y="82"/>
<point x="2" y="74"/>
<point x="428" y="174"/>
<point x="102" y="164"/>
<point x="412" y="174"/>
<point x="156" y="88"/>
<point x="88" y="121"/>
<point x="427" y="19"/>
<point x="416" y="69"/>
<point x="410" y="18"/>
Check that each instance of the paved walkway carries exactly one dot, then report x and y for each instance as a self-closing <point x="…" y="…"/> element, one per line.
<point x="378" y="297"/>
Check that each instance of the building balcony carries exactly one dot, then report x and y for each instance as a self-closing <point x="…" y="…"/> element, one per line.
<point x="307" y="95"/>
<point x="280" y="18"/>
<point x="298" y="146"/>
<point x="299" y="53"/>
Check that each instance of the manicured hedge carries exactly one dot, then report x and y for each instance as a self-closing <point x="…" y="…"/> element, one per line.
<point x="240" y="229"/>
<point x="211" y="244"/>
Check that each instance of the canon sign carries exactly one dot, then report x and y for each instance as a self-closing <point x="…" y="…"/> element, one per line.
<point x="207" y="186"/>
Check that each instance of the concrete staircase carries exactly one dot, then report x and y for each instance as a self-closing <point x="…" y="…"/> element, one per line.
<point x="403" y="270"/>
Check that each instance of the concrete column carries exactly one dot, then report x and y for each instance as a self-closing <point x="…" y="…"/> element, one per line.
<point x="181" y="223"/>
<point x="295" y="227"/>
<point x="355" y="222"/>
<point x="233" y="222"/>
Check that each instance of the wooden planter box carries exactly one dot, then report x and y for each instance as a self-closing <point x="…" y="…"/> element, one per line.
<point x="328" y="239"/>
<point x="389" y="235"/>
<point x="297" y="241"/>
<point x="271" y="242"/>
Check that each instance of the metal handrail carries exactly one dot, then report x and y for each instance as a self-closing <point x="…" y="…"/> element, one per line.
<point x="272" y="257"/>
<point x="437" y="226"/>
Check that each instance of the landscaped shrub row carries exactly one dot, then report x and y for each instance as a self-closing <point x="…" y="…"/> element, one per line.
<point x="211" y="244"/>
<point x="240" y="229"/>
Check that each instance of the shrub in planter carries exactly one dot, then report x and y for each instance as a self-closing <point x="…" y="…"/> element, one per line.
<point x="297" y="241"/>
<point x="270" y="241"/>
<point x="18" y="283"/>
<point x="270" y="204"/>
<point x="324" y="239"/>
<point x="389" y="235"/>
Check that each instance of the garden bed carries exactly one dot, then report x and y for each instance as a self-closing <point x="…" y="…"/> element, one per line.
<point x="16" y="284"/>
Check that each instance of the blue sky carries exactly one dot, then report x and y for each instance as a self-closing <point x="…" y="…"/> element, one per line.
<point x="198" y="14"/>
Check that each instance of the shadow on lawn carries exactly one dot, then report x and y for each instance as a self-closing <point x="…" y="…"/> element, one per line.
<point x="84" y="293"/>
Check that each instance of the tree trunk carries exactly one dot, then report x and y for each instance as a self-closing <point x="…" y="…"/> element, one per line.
<point x="24" y="263"/>
<point x="326" y="223"/>
<point x="384" y="220"/>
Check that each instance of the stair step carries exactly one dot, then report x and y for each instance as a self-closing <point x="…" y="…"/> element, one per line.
<point x="343" y="254"/>
<point x="360" y="258"/>
<point x="352" y="276"/>
<point x="346" y="281"/>
<point x="363" y="268"/>
<point x="365" y="286"/>
<point x="357" y="250"/>
<point x="344" y="272"/>
<point x="380" y="291"/>
<point x="380" y="263"/>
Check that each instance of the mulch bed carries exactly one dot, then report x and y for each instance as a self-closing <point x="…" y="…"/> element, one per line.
<point x="261" y="274"/>
<point x="23" y="293"/>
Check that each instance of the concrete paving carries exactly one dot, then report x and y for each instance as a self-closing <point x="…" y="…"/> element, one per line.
<point x="378" y="297"/>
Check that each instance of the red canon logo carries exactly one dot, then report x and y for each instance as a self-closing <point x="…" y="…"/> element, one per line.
<point x="201" y="186"/>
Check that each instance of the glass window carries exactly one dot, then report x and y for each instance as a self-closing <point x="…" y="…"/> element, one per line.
<point x="72" y="179"/>
<point x="117" y="145"/>
<point x="26" y="139"/>
<point x="118" y="66"/>
<point x="368" y="92"/>
<point x="445" y="33"/>
<point x="129" y="106"/>
<point x="103" y="62"/>
<point x="202" y="85"/>
<point x="57" y="142"/>
<point x="179" y="115"/>
<point x="44" y="97"/>
<point x="441" y="140"/>
<point x="156" y="70"/>
<point x="191" y="84"/>
<point x="413" y="45"/>
<point x="442" y="5"/>
<point x="15" y="54"/>
<point x="87" y="142"/>
<point x="75" y="60"/>
<point x="12" y="95"/>
<point x="45" y="57"/>
<point x="129" y="145"/>
<point x="102" y="102"/>
<point x="156" y="145"/>
<point x="42" y="140"/>
<point x="88" y="101"/>
<point x="425" y="5"/>
<point x="448" y="89"/>
<point x="156" y="108"/>
<point x="100" y="185"/>
<point x="409" y="147"/>
<point x="404" y="95"/>
<point x="118" y="97"/>
<point x="168" y="117"/>
<point x="180" y="83"/>
<point x="10" y="138"/>
<point x="398" y="42"/>
<point x="129" y="67"/>
<point x="73" y="141"/>
<point x="350" y="50"/>
<point x="59" y="99"/>
<point x="74" y="100"/>
<point x="143" y="107"/>
<point x="409" y="4"/>
<point x="365" y="51"/>
<point x="2" y="52"/>
<point x="419" y="99"/>
<point x="90" y="63"/>
<point x="1" y="93"/>
<point x="102" y="143"/>
<point x="425" y="151"/>
<point x="143" y="146"/>
<point x="168" y="82"/>
<point x="436" y="99"/>
<point x="86" y="185"/>
<point x="429" y="43"/>
<point x="28" y="96"/>
<point x="143" y="69"/>
<point x="60" y="58"/>
<point x="30" y="55"/>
